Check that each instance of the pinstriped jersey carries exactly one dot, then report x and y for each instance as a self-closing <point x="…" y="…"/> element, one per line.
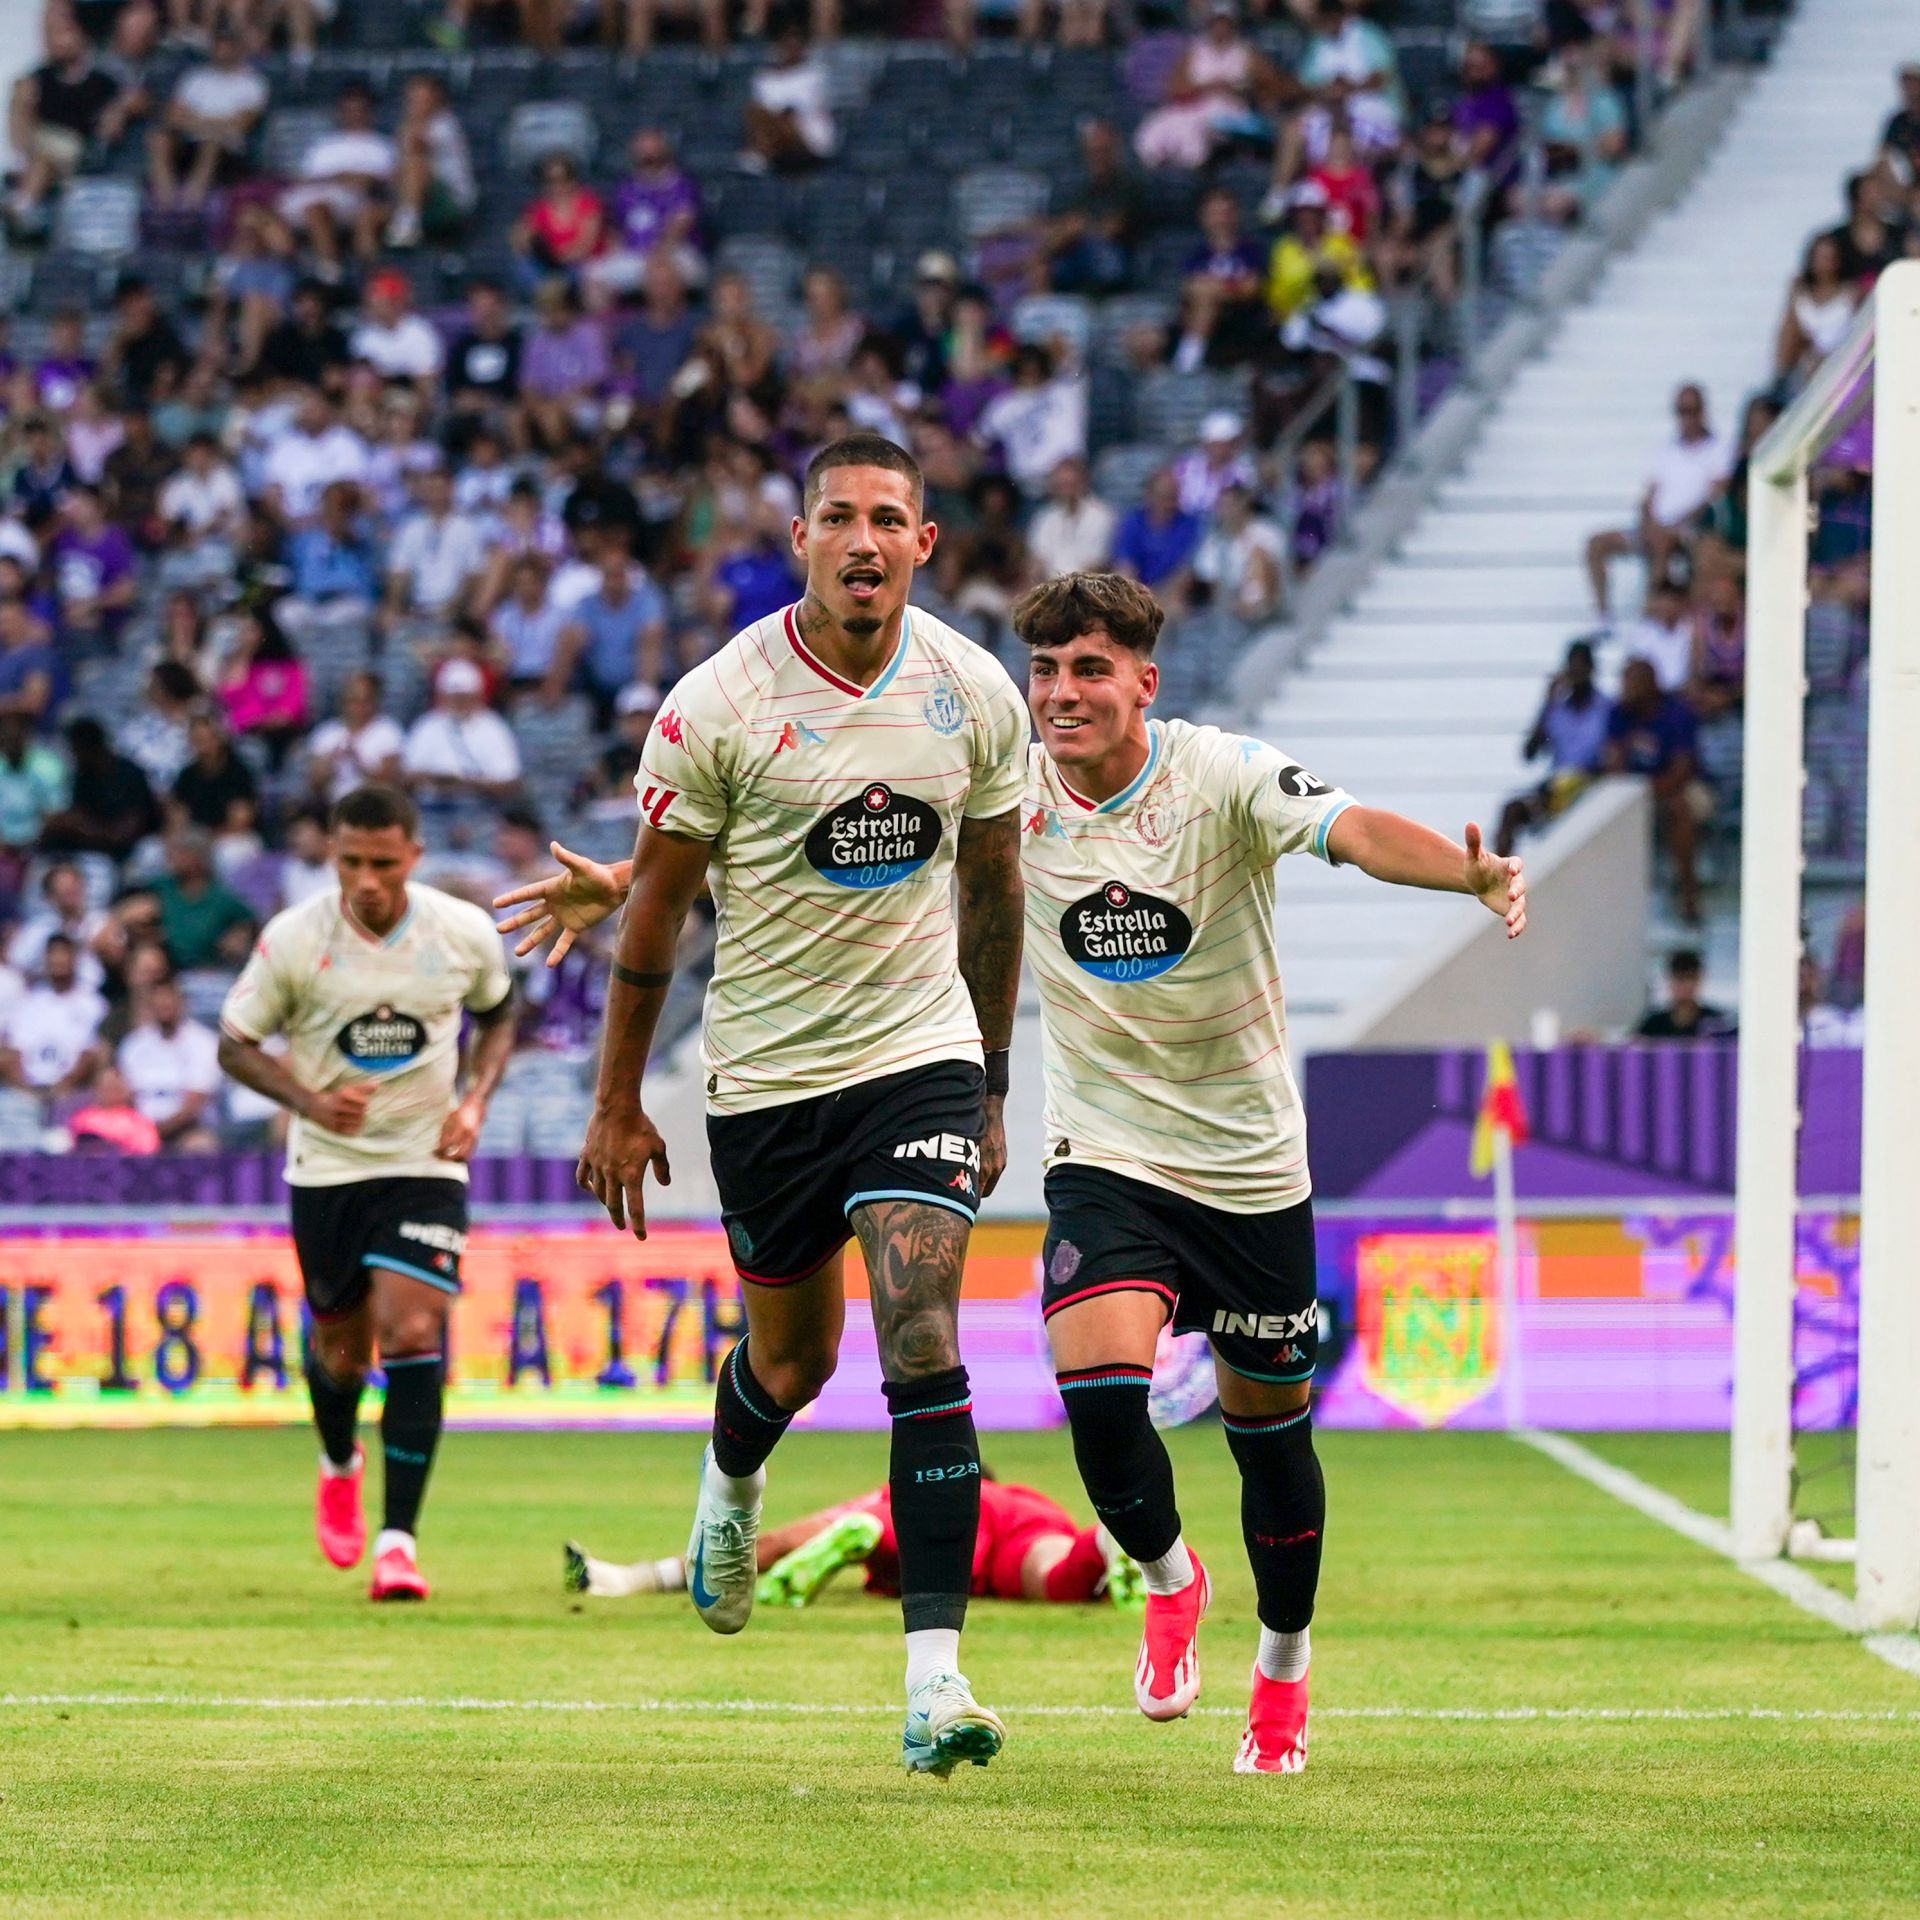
<point x="1150" y="929"/>
<point x="834" y="813"/>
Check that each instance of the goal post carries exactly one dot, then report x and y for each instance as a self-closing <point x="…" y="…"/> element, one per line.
<point x="1880" y="356"/>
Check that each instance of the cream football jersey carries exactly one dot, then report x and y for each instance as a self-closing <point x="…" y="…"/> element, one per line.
<point x="1150" y="929"/>
<point x="384" y="1011"/>
<point x="835" y="814"/>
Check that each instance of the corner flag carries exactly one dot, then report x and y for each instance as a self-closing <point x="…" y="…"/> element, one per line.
<point x="1501" y="1111"/>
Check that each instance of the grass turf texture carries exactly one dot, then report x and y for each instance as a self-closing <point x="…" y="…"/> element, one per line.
<point x="1462" y="1572"/>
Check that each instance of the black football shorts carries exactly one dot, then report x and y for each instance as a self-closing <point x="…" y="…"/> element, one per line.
<point x="417" y="1227"/>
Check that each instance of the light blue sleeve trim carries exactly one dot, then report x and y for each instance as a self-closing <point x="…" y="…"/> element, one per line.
<point x="387" y="1260"/>
<point x="911" y="1193"/>
<point x="1326" y="823"/>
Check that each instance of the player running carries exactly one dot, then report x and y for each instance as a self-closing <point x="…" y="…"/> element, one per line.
<point x="835" y="770"/>
<point x="1176" y="1161"/>
<point x="1028" y="1548"/>
<point x="369" y="984"/>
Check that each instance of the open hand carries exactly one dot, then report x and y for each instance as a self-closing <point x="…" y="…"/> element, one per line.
<point x="1498" y="884"/>
<point x="622" y="1143"/>
<point x="562" y="906"/>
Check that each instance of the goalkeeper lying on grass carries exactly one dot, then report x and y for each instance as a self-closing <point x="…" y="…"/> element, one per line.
<point x="1027" y="1549"/>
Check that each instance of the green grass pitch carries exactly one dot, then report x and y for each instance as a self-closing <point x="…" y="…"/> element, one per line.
<point x="1463" y="1573"/>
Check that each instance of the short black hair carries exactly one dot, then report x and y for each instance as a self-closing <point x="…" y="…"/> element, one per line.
<point x="861" y="450"/>
<point x="1683" y="960"/>
<point x="1061" y="610"/>
<point x="372" y="808"/>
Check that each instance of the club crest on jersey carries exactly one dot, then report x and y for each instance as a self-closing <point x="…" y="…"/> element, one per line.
<point x="875" y="839"/>
<point x="1119" y="934"/>
<point x="381" y="1040"/>
<point x="943" y="711"/>
<point x="1154" y="825"/>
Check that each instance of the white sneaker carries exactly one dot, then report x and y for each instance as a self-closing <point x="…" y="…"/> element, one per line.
<point x="946" y="1725"/>
<point x="721" y="1572"/>
<point x="403" y="230"/>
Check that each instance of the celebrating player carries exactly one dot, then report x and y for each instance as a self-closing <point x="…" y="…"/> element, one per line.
<point x="369" y="984"/>
<point x="1176" y="1150"/>
<point x="836" y="768"/>
<point x="1028" y="1548"/>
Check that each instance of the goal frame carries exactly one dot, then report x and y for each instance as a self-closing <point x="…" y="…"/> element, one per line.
<point x="1882" y="347"/>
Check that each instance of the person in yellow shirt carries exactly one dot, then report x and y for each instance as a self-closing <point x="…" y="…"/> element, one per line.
<point x="1309" y="243"/>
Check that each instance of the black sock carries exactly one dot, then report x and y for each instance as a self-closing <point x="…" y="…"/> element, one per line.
<point x="336" y="1411"/>
<point x="410" y="1430"/>
<point x="1122" y="1461"/>
<point x="747" y="1420"/>
<point x="1283" y="1512"/>
<point x="935" y="1477"/>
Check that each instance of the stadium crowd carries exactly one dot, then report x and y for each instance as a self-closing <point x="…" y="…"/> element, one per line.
<point x="336" y="451"/>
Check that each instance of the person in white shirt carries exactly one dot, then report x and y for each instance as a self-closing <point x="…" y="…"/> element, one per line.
<point x="341" y="176"/>
<point x="64" y="913"/>
<point x="50" y="1043"/>
<point x="1040" y="420"/>
<point x="1240" y="559"/>
<point x="461" y="749"/>
<point x="172" y="1066"/>
<point x="436" y="556"/>
<point x="1687" y="472"/>
<point x="202" y="502"/>
<point x="434" y="190"/>
<point x="396" y="342"/>
<point x="1662" y="636"/>
<point x="206" y="125"/>
<point x="790" y="120"/>
<point x="362" y="748"/>
<point x="1073" y="532"/>
<point x="1220" y="461"/>
<point x="307" y="866"/>
<point x="302" y="463"/>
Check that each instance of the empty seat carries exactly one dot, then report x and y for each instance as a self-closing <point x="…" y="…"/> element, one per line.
<point x="991" y="199"/>
<point x="289" y="133"/>
<point x="543" y="127"/>
<point x="1055" y="316"/>
<point x="99" y="219"/>
<point x="1120" y="475"/>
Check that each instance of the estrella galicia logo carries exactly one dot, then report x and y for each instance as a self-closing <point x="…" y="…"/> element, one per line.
<point x="1118" y="934"/>
<point x="873" y="840"/>
<point x="1298" y="784"/>
<point x="381" y="1040"/>
<point x="943" y="711"/>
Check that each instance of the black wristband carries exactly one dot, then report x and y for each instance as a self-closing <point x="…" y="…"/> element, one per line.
<point x="996" y="1064"/>
<point x="628" y="977"/>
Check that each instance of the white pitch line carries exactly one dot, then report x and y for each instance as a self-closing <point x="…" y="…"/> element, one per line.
<point x="455" y="1703"/>
<point x="1805" y="1590"/>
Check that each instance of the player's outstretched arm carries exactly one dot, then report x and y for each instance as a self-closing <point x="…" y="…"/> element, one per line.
<point x="565" y="904"/>
<point x="1389" y="846"/>
<point x="667" y="873"/>
<point x="341" y="1110"/>
<point x="992" y="906"/>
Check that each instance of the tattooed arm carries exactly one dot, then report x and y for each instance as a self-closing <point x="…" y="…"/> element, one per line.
<point x="915" y="1253"/>
<point x="991" y="907"/>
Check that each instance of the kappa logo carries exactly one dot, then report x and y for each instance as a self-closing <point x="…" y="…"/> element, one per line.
<point x="1269" y="1326"/>
<point x="669" y="725"/>
<point x="795" y="734"/>
<point x="941" y="1146"/>
<point x="962" y="1181"/>
<point x="1043" y="821"/>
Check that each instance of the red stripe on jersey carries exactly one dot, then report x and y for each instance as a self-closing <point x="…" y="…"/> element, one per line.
<point x="819" y="666"/>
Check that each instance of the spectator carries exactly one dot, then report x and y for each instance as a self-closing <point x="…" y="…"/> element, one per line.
<point x="1900" y="139"/>
<point x="203" y="135"/>
<point x="33" y="784"/>
<point x="1214" y="95"/>
<point x="171" y="1065"/>
<point x="608" y="786"/>
<point x="94" y="574"/>
<point x="215" y="790"/>
<point x="1820" y="309"/>
<point x="615" y="636"/>
<point x="639" y="19"/>
<point x="1716" y="682"/>
<point x="307" y="348"/>
<point x="460" y="751"/>
<point x="789" y="119"/>
<point x="201" y="508"/>
<point x="59" y="111"/>
<point x="302" y="464"/>
<point x="434" y="190"/>
<point x="1585" y="132"/>
<point x="1099" y="213"/>
<point x="344" y="176"/>
<point x="1663" y="635"/>
<point x="132" y="476"/>
<point x="919" y="333"/>
<point x="93" y="432"/>
<point x="1353" y="195"/>
<point x="110" y="1122"/>
<point x="1485" y="120"/>
<point x="145" y="354"/>
<point x="397" y="343"/>
<point x="1239" y="558"/>
<point x="563" y="228"/>
<point x="334" y="567"/>
<point x="1421" y="241"/>
<point x="1220" y="461"/>
<point x="1352" y="77"/>
<point x="1685" y="474"/>
<point x="111" y="809"/>
<point x="1821" y="1023"/>
<point x="526" y="625"/>
<point x="830" y="331"/>
<point x="43" y="476"/>
<point x="1041" y="419"/>
<point x="1074" y="531"/>
<point x="1572" y="732"/>
<point x="655" y="343"/>
<point x="1158" y="539"/>
<point x="1652" y="734"/>
<point x="66" y="369"/>
<point x="989" y="567"/>
<point x="362" y="747"/>
<point x="1223" y="319"/>
<point x="64" y="911"/>
<point x="656" y="212"/>
<point x="155" y="736"/>
<point x="483" y="373"/>
<point x="1307" y="252"/>
<point x="1337" y="331"/>
<point x="30" y="677"/>
<point x="566" y="368"/>
<point x="50" y="1041"/>
<point x="263" y="685"/>
<point x="434" y="563"/>
<point x="202" y="924"/>
<point x="742" y="345"/>
<point x="1685" y="1016"/>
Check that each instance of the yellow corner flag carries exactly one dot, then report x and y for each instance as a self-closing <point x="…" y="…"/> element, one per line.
<point x="1501" y="1110"/>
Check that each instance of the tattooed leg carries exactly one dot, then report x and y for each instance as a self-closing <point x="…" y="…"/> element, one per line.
<point x="915" y="1254"/>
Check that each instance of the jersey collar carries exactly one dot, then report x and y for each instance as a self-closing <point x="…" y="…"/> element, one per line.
<point x="388" y="939"/>
<point x="845" y="685"/>
<point x="1127" y="794"/>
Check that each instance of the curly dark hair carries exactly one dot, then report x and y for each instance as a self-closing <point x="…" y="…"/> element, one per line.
<point x="1061" y="610"/>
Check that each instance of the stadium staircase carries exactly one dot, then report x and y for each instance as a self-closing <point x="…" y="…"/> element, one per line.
<point x="1423" y="685"/>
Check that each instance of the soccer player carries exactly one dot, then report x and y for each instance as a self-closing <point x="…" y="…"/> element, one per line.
<point x="369" y="983"/>
<point x="1028" y="1548"/>
<point x="834" y="770"/>
<point x="1176" y="1162"/>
